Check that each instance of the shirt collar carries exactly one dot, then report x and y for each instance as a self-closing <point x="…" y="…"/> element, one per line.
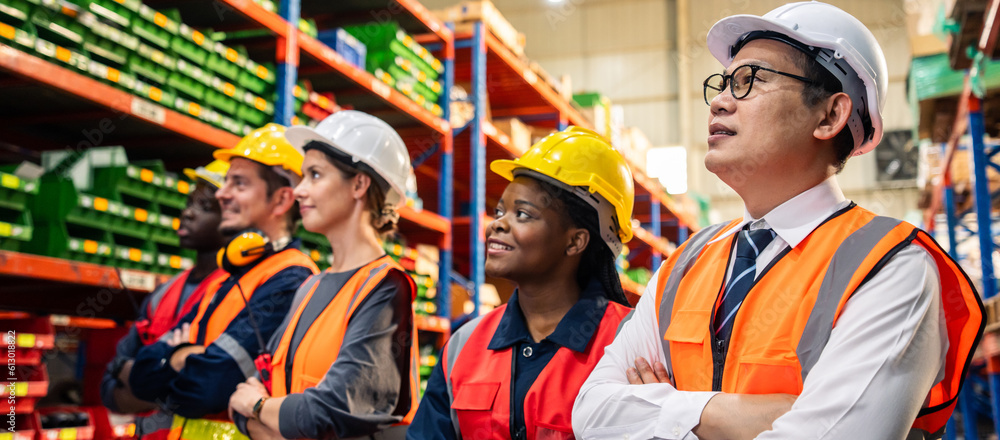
<point x="795" y="219"/>
<point x="574" y="330"/>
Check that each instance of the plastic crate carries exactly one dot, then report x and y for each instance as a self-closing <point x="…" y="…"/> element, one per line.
<point x="77" y="60"/>
<point x="349" y="47"/>
<point x="106" y="31"/>
<point x="25" y="427"/>
<point x="162" y="96"/>
<point x="15" y="229"/>
<point x="154" y="27"/>
<point x="52" y="25"/>
<point x="173" y="192"/>
<point x="15" y="12"/>
<point x="186" y="85"/>
<point x="251" y="115"/>
<point x="107" y="52"/>
<point x="65" y="423"/>
<point x="89" y="251"/>
<point x="157" y="56"/>
<point x="227" y="61"/>
<point x="15" y="191"/>
<point x="29" y="384"/>
<point x="108" y="74"/>
<point x="23" y="38"/>
<point x="257" y="78"/>
<point x="192" y="44"/>
<point x="171" y="264"/>
<point x="138" y="258"/>
<point x="147" y="70"/>
<point x="134" y="222"/>
<point x="380" y="37"/>
<point x="231" y="125"/>
<point x="30" y="333"/>
<point x="112" y="11"/>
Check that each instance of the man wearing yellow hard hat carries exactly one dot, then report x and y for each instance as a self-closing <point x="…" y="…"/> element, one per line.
<point x="193" y="370"/>
<point x="197" y="229"/>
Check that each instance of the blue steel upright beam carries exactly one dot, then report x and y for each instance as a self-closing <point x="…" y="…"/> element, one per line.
<point x="984" y="220"/>
<point x="288" y="63"/>
<point x="654" y="209"/>
<point x="445" y="184"/>
<point x="477" y="146"/>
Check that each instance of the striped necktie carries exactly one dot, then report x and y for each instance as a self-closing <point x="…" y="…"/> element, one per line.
<point x="749" y="244"/>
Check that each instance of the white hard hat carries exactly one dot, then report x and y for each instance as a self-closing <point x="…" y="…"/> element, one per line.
<point x="365" y="139"/>
<point x="833" y="37"/>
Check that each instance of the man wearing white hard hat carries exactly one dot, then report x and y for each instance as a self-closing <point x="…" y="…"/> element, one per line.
<point x="809" y="317"/>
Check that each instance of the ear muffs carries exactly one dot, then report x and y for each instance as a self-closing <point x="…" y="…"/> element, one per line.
<point x="243" y="249"/>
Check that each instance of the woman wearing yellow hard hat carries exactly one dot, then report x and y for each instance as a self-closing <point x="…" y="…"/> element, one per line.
<point x="558" y="227"/>
<point x="344" y="362"/>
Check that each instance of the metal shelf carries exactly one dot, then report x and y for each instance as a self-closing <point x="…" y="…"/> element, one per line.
<point x="59" y="108"/>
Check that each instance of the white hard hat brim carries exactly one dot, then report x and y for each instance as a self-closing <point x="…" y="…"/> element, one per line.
<point x="299" y="136"/>
<point x="728" y="31"/>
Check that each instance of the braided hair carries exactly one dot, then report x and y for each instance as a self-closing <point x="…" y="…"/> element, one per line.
<point x="597" y="260"/>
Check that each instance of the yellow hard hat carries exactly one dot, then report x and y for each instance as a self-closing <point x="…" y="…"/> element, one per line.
<point x="580" y="158"/>
<point x="267" y="145"/>
<point x="213" y="173"/>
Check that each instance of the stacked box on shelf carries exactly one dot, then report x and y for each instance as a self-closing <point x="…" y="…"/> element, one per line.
<point x="395" y="58"/>
<point x="15" y="219"/>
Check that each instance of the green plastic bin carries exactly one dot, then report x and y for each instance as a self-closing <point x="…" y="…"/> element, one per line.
<point x="154" y="27"/>
<point x="192" y="44"/>
<point x="21" y="38"/>
<point x="15" y="12"/>
<point x="258" y="78"/>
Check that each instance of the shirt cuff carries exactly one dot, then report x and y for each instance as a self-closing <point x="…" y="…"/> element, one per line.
<point x="681" y="413"/>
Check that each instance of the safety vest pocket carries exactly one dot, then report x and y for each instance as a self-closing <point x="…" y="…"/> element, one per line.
<point x="473" y="406"/>
<point x="760" y="375"/>
<point x="687" y="336"/>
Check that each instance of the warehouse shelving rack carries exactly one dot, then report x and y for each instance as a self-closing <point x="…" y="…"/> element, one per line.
<point x="60" y="108"/>
<point x="514" y="90"/>
<point x="978" y="33"/>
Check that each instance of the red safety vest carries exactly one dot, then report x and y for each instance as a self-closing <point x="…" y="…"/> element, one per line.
<point x="479" y="379"/>
<point x="162" y="314"/>
<point x="786" y="319"/>
<point x="321" y="343"/>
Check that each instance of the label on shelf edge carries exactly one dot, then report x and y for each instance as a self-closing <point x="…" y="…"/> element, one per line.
<point x="148" y="111"/>
<point x="26" y="340"/>
<point x="21" y="388"/>
<point x="380" y="88"/>
<point x="138" y="280"/>
<point x="10" y="181"/>
<point x="6" y="229"/>
<point x="67" y="434"/>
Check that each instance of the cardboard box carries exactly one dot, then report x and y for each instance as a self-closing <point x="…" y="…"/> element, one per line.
<point x="520" y="134"/>
<point x="485" y="11"/>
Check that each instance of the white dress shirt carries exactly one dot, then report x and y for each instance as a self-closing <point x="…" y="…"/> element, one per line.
<point x="885" y="353"/>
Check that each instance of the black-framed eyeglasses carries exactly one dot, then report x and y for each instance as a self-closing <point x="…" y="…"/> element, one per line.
<point x="740" y="81"/>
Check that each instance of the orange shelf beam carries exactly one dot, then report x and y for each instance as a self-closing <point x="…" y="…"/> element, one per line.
<point x="16" y="264"/>
<point x="531" y="78"/>
<point x="335" y="61"/>
<point x="421" y="13"/>
<point x="57" y="77"/>
<point x="657" y="244"/>
<point x="434" y="324"/>
<point x="426" y="219"/>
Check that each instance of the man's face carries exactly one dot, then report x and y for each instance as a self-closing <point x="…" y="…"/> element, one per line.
<point x="767" y="131"/>
<point x="243" y="197"/>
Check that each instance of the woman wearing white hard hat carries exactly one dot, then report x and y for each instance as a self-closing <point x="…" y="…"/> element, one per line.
<point x="332" y="377"/>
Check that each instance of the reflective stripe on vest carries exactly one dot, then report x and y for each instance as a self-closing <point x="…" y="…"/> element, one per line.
<point x="479" y="381"/>
<point x="203" y="429"/>
<point x="786" y="320"/>
<point x="231" y="304"/>
<point x="320" y="346"/>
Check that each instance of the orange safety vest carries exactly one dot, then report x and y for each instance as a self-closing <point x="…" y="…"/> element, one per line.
<point x="479" y="380"/>
<point x="232" y="303"/>
<point x="786" y="319"/>
<point x="321" y="343"/>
